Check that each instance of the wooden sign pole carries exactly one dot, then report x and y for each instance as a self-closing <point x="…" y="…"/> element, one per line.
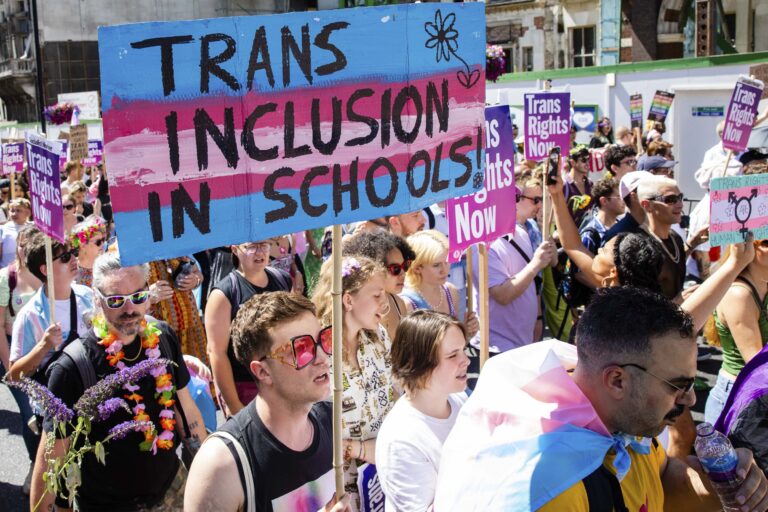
<point x="338" y="455"/>
<point x="13" y="185"/>
<point x="638" y="140"/>
<point x="49" y="280"/>
<point x="483" y="305"/>
<point x="727" y="161"/>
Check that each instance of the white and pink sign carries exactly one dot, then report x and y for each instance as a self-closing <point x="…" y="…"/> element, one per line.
<point x="490" y="212"/>
<point x="738" y="205"/>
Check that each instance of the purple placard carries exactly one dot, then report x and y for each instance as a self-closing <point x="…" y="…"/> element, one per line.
<point x="45" y="185"/>
<point x="741" y="113"/>
<point x="13" y="157"/>
<point x="63" y="145"/>
<point x="95" y="153"/>
<point x="547" y="123"/>
<point x="369" y="487"/>
<point x="490" y="212"/>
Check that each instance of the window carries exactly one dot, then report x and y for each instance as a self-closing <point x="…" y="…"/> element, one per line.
<point x="508" y="65"/>
<point x="527" y="58"/>
<point x="583" y="46"/>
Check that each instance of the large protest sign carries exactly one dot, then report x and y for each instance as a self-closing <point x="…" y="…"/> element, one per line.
<point x="662" y="102"/>
<point x="95" y="153"/>
<point x="13" y="157"/>
<point x="45" y="185"/>
<point x="636" y="110"/>
<point x="596" y="163"/>
<point x="369" y="487"/>
<point x="738" y="204"/>
<point x="249" y="127"/>
<point x="490" y="212"/>
<point x="741" y="113"/>
<point x="547" y="123"/>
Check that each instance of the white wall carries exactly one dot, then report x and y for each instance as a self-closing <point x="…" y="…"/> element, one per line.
<point x="614" y="102"/>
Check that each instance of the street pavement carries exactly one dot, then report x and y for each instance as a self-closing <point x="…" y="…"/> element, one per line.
<point x="14" y="462"/>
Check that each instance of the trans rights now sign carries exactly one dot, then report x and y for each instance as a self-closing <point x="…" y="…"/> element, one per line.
<point x="228" y="130"/>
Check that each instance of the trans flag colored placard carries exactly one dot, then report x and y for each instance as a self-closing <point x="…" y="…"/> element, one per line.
<point x="547" y="118"/>
<point x="490" y="212"/>
<point x="13" y="157"/>
<point x="738" y="204"/>
<point x="45" y="185"/>
<point x="254" y="126"/>
<point x="741" y="113"/>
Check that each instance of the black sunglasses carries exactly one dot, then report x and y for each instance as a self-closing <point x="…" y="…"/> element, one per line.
<point x="536" y="200"/>
<point x="69" y="207"/>
<point x="396" y="268"/>
<point x="99" y="242"/>
<point x="671" y="199"/>
<point x="67" y="255"/>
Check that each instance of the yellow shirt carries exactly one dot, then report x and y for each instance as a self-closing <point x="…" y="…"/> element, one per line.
<point x="641" y="486"/>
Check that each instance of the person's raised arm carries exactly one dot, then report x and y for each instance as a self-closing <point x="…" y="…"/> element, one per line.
<point x="703" y="301"/>
<point x="217" y="324"/>
<point x="568" y="233"/>
<point x="213" y="483"/>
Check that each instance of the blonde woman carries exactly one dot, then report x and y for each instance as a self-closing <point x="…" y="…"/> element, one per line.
<point x="369" y="389"/>
<point x="426" y="282"/>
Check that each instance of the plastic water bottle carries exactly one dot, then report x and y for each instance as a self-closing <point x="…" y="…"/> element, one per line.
<point x="719" y="460"/>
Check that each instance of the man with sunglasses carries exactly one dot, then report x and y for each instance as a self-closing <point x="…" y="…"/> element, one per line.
<point x="132" y="478"/>
<point x="620" y="160"/>
<point x="276" y="453"/>
<point x="591" y="419"/>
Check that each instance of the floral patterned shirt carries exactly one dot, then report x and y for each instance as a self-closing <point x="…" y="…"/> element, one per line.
<point x="368" y="395"/>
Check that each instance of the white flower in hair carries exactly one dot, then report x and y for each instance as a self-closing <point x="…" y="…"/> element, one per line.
<point x="349" y="266"/>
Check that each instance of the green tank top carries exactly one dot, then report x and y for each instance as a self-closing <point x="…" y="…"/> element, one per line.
<point x="732" y="360"/>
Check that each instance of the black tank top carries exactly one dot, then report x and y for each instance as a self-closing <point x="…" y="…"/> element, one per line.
<point x="282" y="475"/>
<point x="238" y="291"/>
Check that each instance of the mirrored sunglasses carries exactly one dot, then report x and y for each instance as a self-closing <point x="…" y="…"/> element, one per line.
<point x="303" y="348"/>
<point x="117" y="301"/>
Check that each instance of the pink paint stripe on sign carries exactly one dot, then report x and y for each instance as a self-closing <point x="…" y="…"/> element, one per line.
<point x="751" y="224"/>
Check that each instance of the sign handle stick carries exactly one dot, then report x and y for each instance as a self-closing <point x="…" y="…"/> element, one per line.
<point x="338" y="456"/>
<point x="49" y="279"/>
<point x="727" y="161"/>
<point x="484" y="327"/>
<point x="13" y="185"/>
<point x="470" y="298"/>
<point x="638" y="140"/>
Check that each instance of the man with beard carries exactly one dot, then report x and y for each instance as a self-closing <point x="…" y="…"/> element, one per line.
<point x="580" y="431"/>
<point x="141" y="470"/>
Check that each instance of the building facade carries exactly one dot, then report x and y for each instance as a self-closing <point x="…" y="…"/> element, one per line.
<point x="539" y="35"/>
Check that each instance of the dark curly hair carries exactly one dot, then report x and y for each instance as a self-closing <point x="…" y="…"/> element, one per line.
<point x="638" y="261"/>
<point x="644" y="315"/>
<point x="604" y="188"/>
<point x="615" y="154"/>
<point x="375" y="246"/>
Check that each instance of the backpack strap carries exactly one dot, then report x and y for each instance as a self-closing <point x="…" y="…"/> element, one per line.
<point x="430" y="217"/>
<point x="235" y="293"/>
<point x="604" y="491"/>
<point x="281" y="277"/>
<point x="76" y="352"/>
<point x="243" y="466"/>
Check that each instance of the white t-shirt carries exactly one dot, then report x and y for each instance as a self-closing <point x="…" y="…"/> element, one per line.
<point x="9" y="232"/>
<point x="408" y="451"/>
<point x="62" y="317"/>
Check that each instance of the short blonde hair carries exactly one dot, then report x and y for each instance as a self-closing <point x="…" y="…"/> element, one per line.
<point x="428" y="246"/>
<point x="650" y="186"/>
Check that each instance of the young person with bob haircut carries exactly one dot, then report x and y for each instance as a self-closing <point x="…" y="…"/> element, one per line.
<point x="428" y="359"/>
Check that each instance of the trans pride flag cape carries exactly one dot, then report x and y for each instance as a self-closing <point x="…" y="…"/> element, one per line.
<point x="526" y="434"/>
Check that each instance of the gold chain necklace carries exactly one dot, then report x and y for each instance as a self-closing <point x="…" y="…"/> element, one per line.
<point x="676" y="257"/>
<point x="132" y="359"/>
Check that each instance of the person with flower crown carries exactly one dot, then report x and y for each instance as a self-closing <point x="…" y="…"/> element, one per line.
<point x="141" y="470"/>
<point x="88" y="237"/>
<point x="369" y="388"/>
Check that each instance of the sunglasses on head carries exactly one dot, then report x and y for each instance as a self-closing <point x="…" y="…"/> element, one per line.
<point x="67" y="255"/>
<point x="117" y="301"/>
<point x="303" y="349"/>
<point x="396" y="268"/>
<point x="670" y="199"/>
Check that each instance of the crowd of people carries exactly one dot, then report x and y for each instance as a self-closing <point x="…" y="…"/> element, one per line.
<point x="615" y="276"/>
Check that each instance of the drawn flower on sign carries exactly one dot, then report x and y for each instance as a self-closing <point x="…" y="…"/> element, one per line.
<point x="444" y="38"/>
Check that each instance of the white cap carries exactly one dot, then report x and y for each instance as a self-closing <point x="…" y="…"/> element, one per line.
<point x="628" y="183"/>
